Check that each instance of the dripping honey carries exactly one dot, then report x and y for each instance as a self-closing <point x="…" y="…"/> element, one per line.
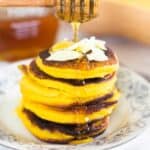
<point x="77" y="12"/>
<point x="26" y="31"/>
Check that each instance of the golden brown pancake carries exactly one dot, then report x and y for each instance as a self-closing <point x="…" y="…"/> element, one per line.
<point x="70" y="129"/>
<point x="89" y="107"/>
<point x="78" y="68"/>
<point x="35" y="71"/>
<point x="66" y="117"/>
<point x="79" y="64"/>
<point x="59" y="133"/>
<point x="65" y="101"/>
<point x="58" y="89"/>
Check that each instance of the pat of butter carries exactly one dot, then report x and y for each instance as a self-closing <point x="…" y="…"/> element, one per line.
<point x="81" y="49"/>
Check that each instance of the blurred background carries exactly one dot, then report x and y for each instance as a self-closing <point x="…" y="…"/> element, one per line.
<point x="124" y="24"/>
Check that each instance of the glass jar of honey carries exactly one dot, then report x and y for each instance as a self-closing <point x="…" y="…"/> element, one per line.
<point x="24" y="31"/>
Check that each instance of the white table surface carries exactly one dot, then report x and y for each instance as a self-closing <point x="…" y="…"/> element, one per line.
<point x="137" y="57"/>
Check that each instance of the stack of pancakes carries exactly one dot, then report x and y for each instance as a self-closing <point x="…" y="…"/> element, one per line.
<point x="69" y="101"/>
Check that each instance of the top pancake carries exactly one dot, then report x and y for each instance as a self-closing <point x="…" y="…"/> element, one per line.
<point x="79" y="68"/>
<point x="79" y="64"/>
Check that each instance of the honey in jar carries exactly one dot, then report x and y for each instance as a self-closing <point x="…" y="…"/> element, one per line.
<point x="24" y="31"/>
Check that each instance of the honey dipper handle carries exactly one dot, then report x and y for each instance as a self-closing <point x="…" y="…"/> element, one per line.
<point x="23" y="3"/>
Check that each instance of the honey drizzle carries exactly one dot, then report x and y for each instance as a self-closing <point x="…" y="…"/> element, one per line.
<point x="91" y="9"/>
<point x="75" y="28"/>
<point x="82" y="10"/>
<point x="76" y="12"/>
<point x="62" y="4"/>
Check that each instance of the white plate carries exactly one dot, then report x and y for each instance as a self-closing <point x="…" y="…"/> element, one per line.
<point x="130" y="118"/>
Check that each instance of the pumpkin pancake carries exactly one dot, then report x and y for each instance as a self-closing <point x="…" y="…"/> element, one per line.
<point x="55" y="101"/>
<point x="54" y="115"/>
<point x="58" y="133"/>
<point x="69" y="85"/>
<point x="78" y="68"/>
<point x="75" y="130"/>
<point x="35" y="72"/>
<point x="74" y="115"/>
<point x="89" y="91"/>
<point x="69" y="103"/>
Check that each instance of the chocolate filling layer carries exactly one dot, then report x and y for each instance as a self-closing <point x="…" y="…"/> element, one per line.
<point x="73" y="129"/>
<point x="42" y="75"/>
